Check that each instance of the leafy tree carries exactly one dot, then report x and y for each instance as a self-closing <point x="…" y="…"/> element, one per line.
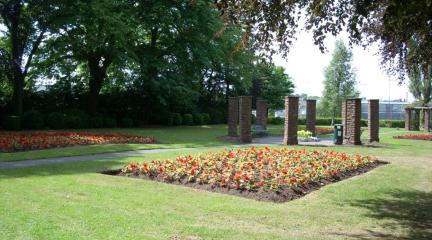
<point x="272" y="84"/>
<point x="27" y="23"/>
<point x="420" y="85"/>
<point x="340" y="82"/>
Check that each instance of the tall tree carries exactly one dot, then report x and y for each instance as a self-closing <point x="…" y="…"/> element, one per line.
<point x="340" y="82"/>
<point x="26" y="22"/>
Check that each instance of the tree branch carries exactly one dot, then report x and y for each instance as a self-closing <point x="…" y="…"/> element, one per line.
<point x="35" y="46"/>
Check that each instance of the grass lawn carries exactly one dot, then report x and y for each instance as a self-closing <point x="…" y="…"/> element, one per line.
<point x="73" y="201"/>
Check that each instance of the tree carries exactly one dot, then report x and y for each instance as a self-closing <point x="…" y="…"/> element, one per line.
<point x="27" y="23"/>
<point x="272" y="84"/>
<point x="420" y="85"/>
<point x="340" y="82"/>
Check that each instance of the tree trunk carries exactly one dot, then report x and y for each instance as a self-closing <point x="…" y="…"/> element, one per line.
<point x="18" y="92"/>
<point x="98" y="74"/>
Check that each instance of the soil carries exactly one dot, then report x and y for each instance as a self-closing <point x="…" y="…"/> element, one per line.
<point x="283" y="195"/>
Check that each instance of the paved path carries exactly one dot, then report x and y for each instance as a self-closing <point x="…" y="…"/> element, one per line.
<point x="270" y="140"/>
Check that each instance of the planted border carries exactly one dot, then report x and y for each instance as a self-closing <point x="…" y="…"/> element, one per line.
<point x="424" y="137"/>
<point x="265" y="174"/>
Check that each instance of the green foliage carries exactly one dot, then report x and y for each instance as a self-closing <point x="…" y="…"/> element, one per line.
<point x="97" y="122"/>
<point x="392" y="123"/>
<point x="198" y="119"/>
<point x="188" y="119"/>
<point x="340" y="82"/>
<point x="276" y="120"/>
<point x="206" y="118"/>
<point x="77" y="119"/>
<point x="57" y="120"/>
<point x="32" y="120"/>
<point x="12" y="123"/>
<point x="109" y="122"/>
<point x="177" y="119"/>
<point x="126" y="122"/>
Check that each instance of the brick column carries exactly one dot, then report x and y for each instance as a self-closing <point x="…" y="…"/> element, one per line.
<point x="311" y="116"/>
<point x="373" y="120"/>
<point x="427" y="120"/>
<point x="233" y="116"/>
<point x="353" y="121"/>
<point x="408" y="119"/>
<point x="291" y="118"/>
<point x="245" y="104"/>
<point x="262" y="113"/>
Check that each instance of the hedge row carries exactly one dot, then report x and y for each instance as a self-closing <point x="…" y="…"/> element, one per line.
<point x="328" y="122"/>
<point x="77" y="119"/>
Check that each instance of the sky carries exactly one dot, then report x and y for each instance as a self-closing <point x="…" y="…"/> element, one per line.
<point x="305" y="64"/>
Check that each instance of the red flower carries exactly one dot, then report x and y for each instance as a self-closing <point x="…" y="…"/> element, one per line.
<point x="293" y="179"/>
<point x="284" y="171"/>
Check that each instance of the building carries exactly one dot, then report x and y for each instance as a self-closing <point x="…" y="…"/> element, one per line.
<point x="388" y="110"/>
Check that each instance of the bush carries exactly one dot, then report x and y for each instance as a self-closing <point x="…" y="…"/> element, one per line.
<point x="32" y="120"/>
<point x="392" y="123"/>
<point x="110" y="122"/>
<point x="177" y="119"/>
<point x="206" y="118"/>
<point x="169" y="120"/>
<point x="96" y="122"/>
<point x="126" y="122"/>
<point x="77" y="119"/>
<point x="12" y="123"/>
<point x="276" y="120"/>
<point x="188" y="119"/>
<point x="56" y="120"/>
<point x="216" y="117"/>
<point x="301" y="121"/>
<point x="198" y="119"/>
<point x="253" y="119"/>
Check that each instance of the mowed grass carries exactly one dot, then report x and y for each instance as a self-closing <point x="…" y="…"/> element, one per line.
<point x="167" y="137"/>
<point x="74" y="201"/>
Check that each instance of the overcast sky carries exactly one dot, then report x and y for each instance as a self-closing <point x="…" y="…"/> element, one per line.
<point x="305" y="64"/>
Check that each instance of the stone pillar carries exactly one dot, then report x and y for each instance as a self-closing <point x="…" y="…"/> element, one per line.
<point x="291" y="120"/>
<point x="233" y="116"/>
<point x="427" y="120"/>
<point x="245" y="104"/>
<point x="408" y="119"/>
<point x="373" y="120"/>
<point x="311" y="116"/>
<point x="353" y="121"/>
<point x="262" y="113"/>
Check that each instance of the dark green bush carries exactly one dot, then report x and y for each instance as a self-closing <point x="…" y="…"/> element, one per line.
<point x="301" y="121"/>
<point x="12" y="123"/>
<point x="32" y="120"/>
<point x="109" y="122"/>
<point x="169" y="120"/>
<point x="216" y="117"/>
<point x="56" y="120"/>
<point x="198" y="119"/>
<point x="188" y="119"/>
<point x="276" y="120"/>
<point x="77" y="119"/>
<point x="206" y="118"/>
<point x="126" y="122"/>
<point x="177" y="119"/>
<point x="253" y="119"/>
<point x="392" y="123"/>
<point x="96" y="122"/>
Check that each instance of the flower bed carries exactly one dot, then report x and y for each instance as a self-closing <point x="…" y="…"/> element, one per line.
<point x="264" y="174"/>
<point x="425" y="137"/>
<point x="324" y="130"/>
<point x="22" y="141"/>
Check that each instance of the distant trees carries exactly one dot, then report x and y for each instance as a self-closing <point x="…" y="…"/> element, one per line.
<point x="340" y="82"/>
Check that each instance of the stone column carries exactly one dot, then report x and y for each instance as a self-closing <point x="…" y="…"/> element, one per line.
<point x="311" y="116"/>
<point x="353" y="121"/>
<point x="291" y="120"/>
<point x="427" y="120"/>
<point x="408" y="119"/>
<point x="245" y="103"/>
<point x="233" y="116"/>
<point x="373" y="120"/>
<point x="262" y="113"/>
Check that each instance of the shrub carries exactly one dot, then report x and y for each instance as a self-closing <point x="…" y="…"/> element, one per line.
<point x="216" y="117"/>
<point x="177" y="119"/>
<point x="77" y="119"/>
<point x="206" y="118"/>
<point x="253" y="119"/>
<point x="169" y="120"/>
<point x="301" y="121"/>
<point x="276" y="120"/>
<point x="188" y="119"/>
<point x="110" y="122"/>
<point x="392" y="123"/>
<point x="198" y="119"/>
<point x="32" y="120"/>
<point x="56" y="120"/>
<point x="12" y="123"/>
<point x="126" y="122"/>
<point x="96" y="122"/>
